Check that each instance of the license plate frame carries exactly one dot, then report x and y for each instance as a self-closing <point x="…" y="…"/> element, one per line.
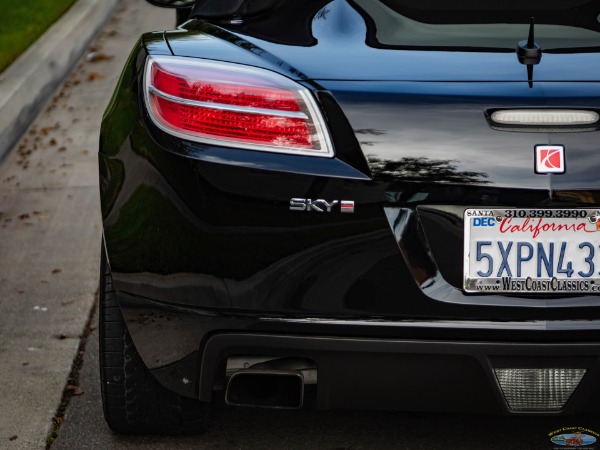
<point x="561" y="234"/>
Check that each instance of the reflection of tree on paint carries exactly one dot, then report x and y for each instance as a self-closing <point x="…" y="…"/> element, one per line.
<point x="575" y="441"/>
<point x="422" y="169"/>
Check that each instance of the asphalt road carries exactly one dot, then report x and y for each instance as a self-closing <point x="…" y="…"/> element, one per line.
<point x="50" y="237"/>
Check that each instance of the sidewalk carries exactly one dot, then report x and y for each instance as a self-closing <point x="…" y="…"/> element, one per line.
<point x="30" y="81"/>
<point x="50" y="225"/>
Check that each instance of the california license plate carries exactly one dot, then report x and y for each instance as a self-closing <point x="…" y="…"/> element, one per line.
<point x="532" y="251"/>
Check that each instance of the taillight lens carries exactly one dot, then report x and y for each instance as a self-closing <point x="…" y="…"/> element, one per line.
<point x="234" y="105"/>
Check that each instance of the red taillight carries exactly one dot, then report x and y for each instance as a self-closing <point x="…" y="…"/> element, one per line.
<point x="183" y="86"/>
<point x="234" y="105"/>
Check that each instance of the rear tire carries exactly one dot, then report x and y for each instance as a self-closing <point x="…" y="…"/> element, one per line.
<point x="133" y="401"/>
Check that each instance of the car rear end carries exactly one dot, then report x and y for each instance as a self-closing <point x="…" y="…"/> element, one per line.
<point x="410" y="223"/>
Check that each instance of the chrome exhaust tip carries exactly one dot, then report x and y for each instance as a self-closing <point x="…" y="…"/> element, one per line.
<point x="266" y="388"/>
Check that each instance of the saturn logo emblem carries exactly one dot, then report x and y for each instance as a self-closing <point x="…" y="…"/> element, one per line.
<point x="549" y="159"/>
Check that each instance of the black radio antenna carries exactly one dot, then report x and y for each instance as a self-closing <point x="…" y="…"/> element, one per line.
<point x="529" y="53"/>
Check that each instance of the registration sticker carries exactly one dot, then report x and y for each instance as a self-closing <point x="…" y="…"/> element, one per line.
<point x="532" y="251"/>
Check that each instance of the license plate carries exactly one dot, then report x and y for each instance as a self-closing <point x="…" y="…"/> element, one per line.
<point x="532" y="251"/>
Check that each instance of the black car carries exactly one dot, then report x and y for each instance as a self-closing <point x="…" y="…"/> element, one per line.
<point x="380" y="204"/>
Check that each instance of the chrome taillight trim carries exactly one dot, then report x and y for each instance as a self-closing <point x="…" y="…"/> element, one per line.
<point x="225" y="107"/>
<point x="318" y="121"/>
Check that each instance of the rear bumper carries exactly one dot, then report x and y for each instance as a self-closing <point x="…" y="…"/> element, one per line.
<point x="390" y="374"/>
<point x="369" y="364"/>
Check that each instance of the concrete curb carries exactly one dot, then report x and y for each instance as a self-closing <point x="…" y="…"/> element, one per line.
<point x="28" y="83"/>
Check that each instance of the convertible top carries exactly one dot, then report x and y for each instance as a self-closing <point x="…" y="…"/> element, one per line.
<point x="223" y="9"/>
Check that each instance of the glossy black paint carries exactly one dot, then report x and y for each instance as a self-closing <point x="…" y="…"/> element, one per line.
<point x="200" y="238"/>
<point x="337" y="34"/>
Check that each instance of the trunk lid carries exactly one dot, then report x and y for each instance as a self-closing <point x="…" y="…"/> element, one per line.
<point x="371" y="40"/>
